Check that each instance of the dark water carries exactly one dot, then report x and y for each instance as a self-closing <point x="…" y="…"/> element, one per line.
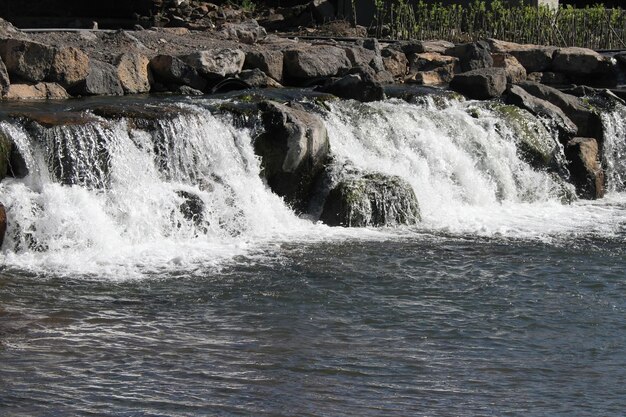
<point x="424" y="326"/>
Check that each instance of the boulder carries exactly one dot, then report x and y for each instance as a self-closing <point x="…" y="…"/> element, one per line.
<point x="578" y="61"/>
<point x="535" y="143"/>
<point x="247" y="32"/>
<point x="480" y="84"/>
<point x="270" y="62"/>
<point x="171" y="70"/>
<point x="70" y="66"/>
<point x="216" y="63"/>
<point x="534" y="58"/>
<point x="472" y="56"/>
<point x="26" y="60"/>
<point x="39" y="91"/>
<point x="584" y="167"/>
<point x="395" y="62"/>
<point x="439" y="76"/>
<point x="4" y="79"/>
<point x="521" y="98"/>
<point x="515" y="72"/>
<point x="256" y="78"/>
<point x="429" y="61"/>
<point x="3" y="224"/>
<point x="293" y="149"/>
<point x="316" y="61"/>
<point x="357" y="86"/>
<point x="101" y="81"/>
<point x="589" y="123"/>
<point x="371" y="200"/>
<point x="133" y="72"/>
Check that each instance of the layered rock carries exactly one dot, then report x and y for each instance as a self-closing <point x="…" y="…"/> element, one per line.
<point x="293" y="148"/>
<point x="371" y="200"/>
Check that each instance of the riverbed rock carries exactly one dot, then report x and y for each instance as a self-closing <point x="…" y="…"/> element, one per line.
<point x="101" y="81"/>
<point x="316" y="61"/>
<point x="216" y="63"/>
<point x="519" y="97"/>
<point x="255" y="78"/>
<point x="395" y="62"/>
<point x="419" y="47"/>
<point x="534" y="58"/>
<point x="534" y="142"/>
<point x="515" y="72"/>
<point x="4" y="79"/>
<point x="584" y="166"/>
<point x="472" y="56"/>
<point x="39" y="91"/>
<point x="359" y="55"/>
<point x="589" y="122"/>
<point x="371" y="200"/>
<point x="70" y="66"/>
<point x="578" y="61"/>
<point x="270" y="62"/>
<point x="359" y="86"/>
<point x="480" y="84"/>
<point x="171" y="70"/>
<point x="3" y="224"/>
<point x="294" y="148"/>
<point x="26" y="60"/>
<point x="133" y="72"/>
<point x="6" y="147"/>
<point x="191" y="206"/>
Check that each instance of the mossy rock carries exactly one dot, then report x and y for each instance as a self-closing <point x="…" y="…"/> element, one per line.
<point x="535" y="143"/>
<point x="371" y="200"/>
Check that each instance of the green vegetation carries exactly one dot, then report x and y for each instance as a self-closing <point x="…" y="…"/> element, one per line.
<point x="593" y="26"/>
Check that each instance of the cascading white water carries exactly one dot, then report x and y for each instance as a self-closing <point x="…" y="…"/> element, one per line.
<point x="614" y="148"/>
<point x="108" y="198"/>
<point x="123" y="190"/>
<point x="465" y="169"/>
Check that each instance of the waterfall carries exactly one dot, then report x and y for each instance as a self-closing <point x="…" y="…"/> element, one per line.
<point x="114" y="197"/>
<point x="614" y="148"/>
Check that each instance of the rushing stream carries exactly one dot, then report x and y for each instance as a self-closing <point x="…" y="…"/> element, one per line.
<point x="503" y="300"/>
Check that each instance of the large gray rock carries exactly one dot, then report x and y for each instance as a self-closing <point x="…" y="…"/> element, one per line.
<point x="133" y="72"/>
<point x="534" y="58"/>
<point x="171" y="70"/>
<point x="359" y="86"/>
<point x="579" y="61"/>
<point x="293" y="149"/>
<point x="70" y="67"/>
<point x="270" y="62"/>
<point x="217" y="63"/>
<point x="256" y="78"/>
<point x="101" y="81"/>
<point x="480" y="84"/>
<point x="316" y="61"/>
<point x="419" y="47"/>
<point x="4" y="79"/>
<point x="472" y="56"/>
<point x="585" y="169"/>
<point x="542" y="108"/>
<point x="589" y="123"/>
<point x="26" y="60"/>
<point x="371" y="200"/>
